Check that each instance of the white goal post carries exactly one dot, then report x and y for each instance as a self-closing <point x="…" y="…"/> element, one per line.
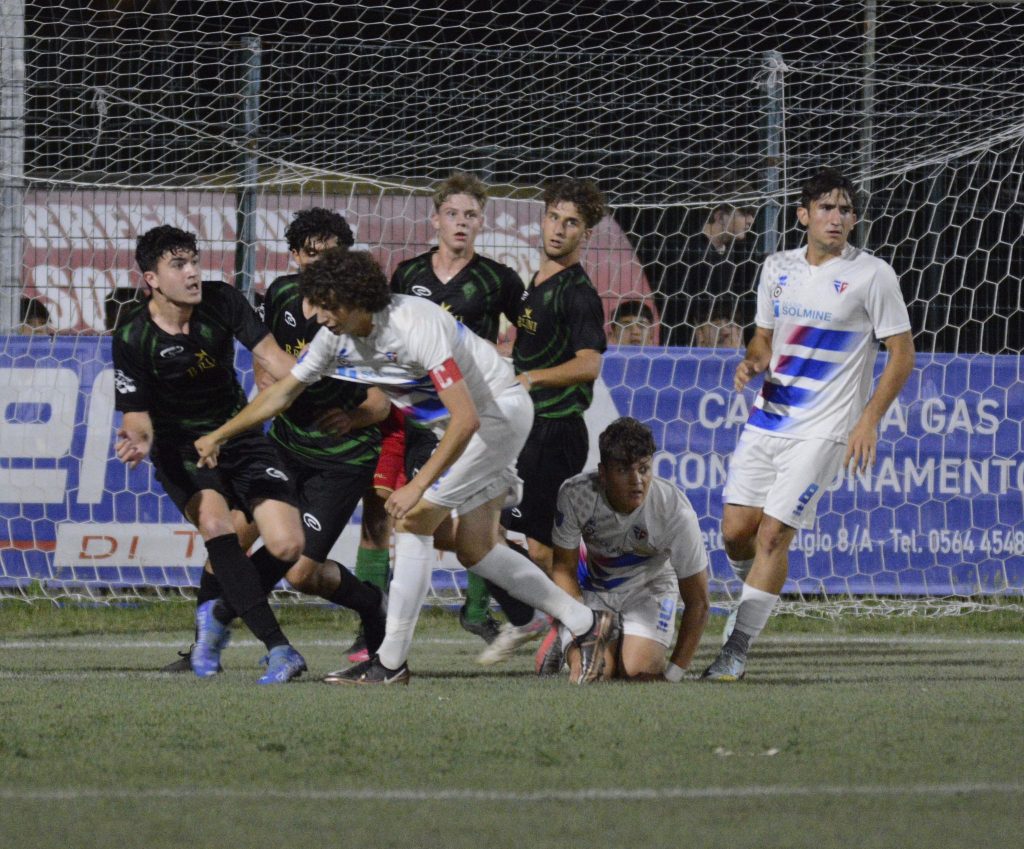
<point x="118" y="117"/>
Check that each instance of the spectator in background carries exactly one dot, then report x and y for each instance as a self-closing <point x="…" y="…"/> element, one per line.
<point x="34" y="318"/>
<point x="714" y="276"/>
<point x="120" y="305"/>
<point x="632" y="323"/>
<point x="718" y="332"/>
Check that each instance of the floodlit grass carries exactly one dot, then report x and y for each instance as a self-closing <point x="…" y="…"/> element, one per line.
<point x="843" y="734"/>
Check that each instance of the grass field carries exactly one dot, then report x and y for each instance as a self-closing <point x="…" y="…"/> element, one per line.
<point x="862" y="733"/>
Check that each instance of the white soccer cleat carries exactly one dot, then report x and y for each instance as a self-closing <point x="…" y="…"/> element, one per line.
<point x="510" y="638"/>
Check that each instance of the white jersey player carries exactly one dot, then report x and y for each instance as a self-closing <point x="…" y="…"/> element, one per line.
<point x="822" y="311"/>
<point x="443" y="375"/>
<point x="643" y="551"/>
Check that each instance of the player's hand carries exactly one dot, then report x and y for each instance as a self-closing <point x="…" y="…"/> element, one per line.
<point x="403" y="499"/>
<point x="860" y="450"/>
<point x="208" y="448"/>
<point x="745" y="372"/>
<point x="131" y="448"/>
<point x="335" y="422"/>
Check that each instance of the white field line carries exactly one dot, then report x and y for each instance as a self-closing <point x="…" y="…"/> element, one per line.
<point x="350" y="794"/>
<point x="93" y="644"/>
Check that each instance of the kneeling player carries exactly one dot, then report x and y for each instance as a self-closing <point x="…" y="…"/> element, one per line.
<point x="643" y="551"/>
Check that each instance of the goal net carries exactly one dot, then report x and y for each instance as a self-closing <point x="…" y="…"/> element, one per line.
<point x="699" y="120"/>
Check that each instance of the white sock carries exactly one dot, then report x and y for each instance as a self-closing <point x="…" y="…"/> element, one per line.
<point x="755" y="608"/>
<point x="414" y="563"/>
<point x="528" y="583"/>
<point x="741" y="568"/>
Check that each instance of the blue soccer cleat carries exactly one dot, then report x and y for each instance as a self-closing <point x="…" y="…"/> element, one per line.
<point x="728" y="666"/>
<point x="212" y="637"/>
<point x="283" y="664"/>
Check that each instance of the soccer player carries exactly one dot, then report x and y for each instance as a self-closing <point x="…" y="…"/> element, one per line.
<point x="174" y="379"/>
<point x="477" y="291"/>
<point x="441" y="373"/>
<point x="557" y="354"/>
<point x="821" y="311"/>
<point x="643" y="551"/>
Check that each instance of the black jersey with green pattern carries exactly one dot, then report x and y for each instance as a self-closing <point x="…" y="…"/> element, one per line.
<point x="186" y="381"/>
<point x="556" y="319"/>
<point x="478" y="295"/>
<point x="295" y="429"/>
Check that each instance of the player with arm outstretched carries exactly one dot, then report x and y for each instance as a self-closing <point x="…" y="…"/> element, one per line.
<point x="174" y="380"/>
<point x="439" y="372"/>
<point x="477" y="291"/>
<point x="644" y="551"/>
<point x="821" y="312"/>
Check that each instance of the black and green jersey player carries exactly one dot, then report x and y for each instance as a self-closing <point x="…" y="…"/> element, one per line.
<point x="477" y="291"/>
<point x="560" y="339"/>
<point x="174" y="377"/>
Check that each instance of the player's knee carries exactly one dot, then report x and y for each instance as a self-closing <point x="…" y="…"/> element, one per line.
<point x="738" y="539"/>
<point x="773" y="536"/>
<point x="287" y="547"/>
<point x="305" y="576"/>
<point x="211" y="528"/>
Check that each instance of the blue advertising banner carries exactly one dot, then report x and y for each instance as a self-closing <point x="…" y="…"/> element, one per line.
<point x="940" y="513"/>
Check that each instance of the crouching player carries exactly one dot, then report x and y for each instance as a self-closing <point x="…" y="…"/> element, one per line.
<point x="643" y="551"/>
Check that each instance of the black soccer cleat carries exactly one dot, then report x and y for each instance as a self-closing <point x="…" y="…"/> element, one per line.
<point x="183" y="663"/>
<point x="370" y="671"/>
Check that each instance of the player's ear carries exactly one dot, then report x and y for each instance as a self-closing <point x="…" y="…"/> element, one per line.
<point x="802" y="215"/>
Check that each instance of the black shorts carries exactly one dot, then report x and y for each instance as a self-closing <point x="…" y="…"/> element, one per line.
<point x="327" y="498"/>
<point x="555" y="450"/>
<point x="249" y="470"/>
<point x="419" y="445"/>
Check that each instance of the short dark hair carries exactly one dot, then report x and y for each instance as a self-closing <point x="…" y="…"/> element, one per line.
<point x="32" y="310"/>
<point x="823" y="182"/>
<point x="626" y="440"/>
<point x="460" y="183"/>
<point x="585" y="194"/>
<point x="632" y="308"/>
<point x="344" y="278"/>
<point x="727" y="208"/>
<point x="319" y="224"/>
<point x="161" y="240"/>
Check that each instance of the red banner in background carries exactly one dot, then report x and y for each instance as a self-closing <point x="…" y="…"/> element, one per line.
<point x="79" y="247"/>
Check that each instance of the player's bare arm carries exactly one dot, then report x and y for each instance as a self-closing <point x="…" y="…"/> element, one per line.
<point x="134" y="439"/>
<point x="585" y="367"/>
<point x="759" y="354"/>
<point x="463" y="422"/>
<point x="564" y="562"/>
<point x="696" y="606"/>
<point x="863" y="442"/>
<point x="269" y="356"/>
<point x="271" y="401"/>
<point x="374" y="409"/>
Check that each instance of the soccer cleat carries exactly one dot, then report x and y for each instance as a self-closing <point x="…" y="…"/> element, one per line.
<point x="730" y="623"/>
<point x="183" y="663"/>
<point x="370" y="671"/>
<point x="357" y="652"/>
<point x="592" y="644"/>
<point x="372" y="630"/>
<point x="549" y="658"/>
<point x="283" y="664"/>
<point x="728" y="666"/>
<point x="487" y="630"/>
<point x="212" y="637"/>
<point x="510" y="638"/>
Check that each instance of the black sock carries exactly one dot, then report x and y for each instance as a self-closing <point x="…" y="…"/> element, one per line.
<point x="242" y="591"/>
<point x="270" y="568"/>
<point x="209" y="588"/>
<point x="360" y="596"/>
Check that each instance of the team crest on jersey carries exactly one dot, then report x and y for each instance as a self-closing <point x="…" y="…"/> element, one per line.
<point x="171" y="351"/>
<point x="122" y="383"/>
<point x="639" y="533"/>
<point x="840" y="286"/>
<point x="391" y="356"/>
<point x="289" y="319"/>
<point x="527" y="322"/>
<point x="421" y="291"/>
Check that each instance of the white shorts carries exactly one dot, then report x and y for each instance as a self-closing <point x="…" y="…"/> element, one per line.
<point x="487" y="468"/>
<point x="785" y="477"/>
<point x="647" y="610"/>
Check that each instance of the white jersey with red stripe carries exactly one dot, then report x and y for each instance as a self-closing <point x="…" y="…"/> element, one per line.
<point x="826" y="321"/>
<point x="414" y="350"/>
